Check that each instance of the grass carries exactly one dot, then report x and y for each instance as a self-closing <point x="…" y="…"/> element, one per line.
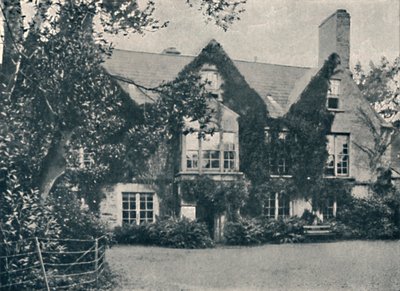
<point x="354" y="265"/>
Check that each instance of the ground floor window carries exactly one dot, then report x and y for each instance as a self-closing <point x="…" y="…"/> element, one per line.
<point x="277" y="206"/>
<point x="137" y="207"/>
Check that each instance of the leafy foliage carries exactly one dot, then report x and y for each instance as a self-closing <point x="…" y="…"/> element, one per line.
<point x="309" y="122"/>
<point x="216" y="196"/>
<point x="251" y="109"/>
<point x="380" y="85"/>
<point x="168" y="232"/>
<point x="369" y="218"/>
<point x="261" y="230"/>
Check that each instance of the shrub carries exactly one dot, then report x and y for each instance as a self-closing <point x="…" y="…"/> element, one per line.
<point x="184" y="234"/>
<point x="369" y="218"/>
<point x="264" y="230"/>
<point x="175" y="233"/>
<point x="287" y="230"/>
<point x="244" y="232"/>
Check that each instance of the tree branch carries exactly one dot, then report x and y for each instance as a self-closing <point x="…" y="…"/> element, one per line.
<point x="130" y="81"/>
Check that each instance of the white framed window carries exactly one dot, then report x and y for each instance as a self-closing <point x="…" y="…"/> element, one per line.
<point x="192" y="151"/>
<point x="210" y="159"/>
<point x="212" y="153"/>
<point x="192" y="159"/>
<point x="277" y="206"/>
<point x="137" y="207"/>
<point x="229" y="156"/>
<point x="129" y="208"/>
<point x="270" y="206"/>
<point x="146" y="209"/>
<point x="338" y="162"/>
<point x="332" y="102"/>
<point x="229" y="151"/>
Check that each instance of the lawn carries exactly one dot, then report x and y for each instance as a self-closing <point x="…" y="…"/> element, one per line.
<point x="354" y="265"/>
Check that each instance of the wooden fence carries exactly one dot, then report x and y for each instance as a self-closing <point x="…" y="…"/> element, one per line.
<point x="52" y="264"/>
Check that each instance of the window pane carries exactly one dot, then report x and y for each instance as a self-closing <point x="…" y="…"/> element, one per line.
<point x="192" y="159"/>
<point x="333" y="103"/>
<point x="270" y="207"/>
<point x="146" y="208"/>
<point x="210" y="159"/>
<point x="215" y="164"/>
<point x="341" y="149"/>
<point x="128" y="207"/>
<point x="214" y="155"/>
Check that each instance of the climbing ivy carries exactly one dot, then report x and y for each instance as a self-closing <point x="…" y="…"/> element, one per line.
<point x="242" y="99"/>
<point x="304" y="147"/>
<point x="215" y="197"/>
<point x="308" y="122"/>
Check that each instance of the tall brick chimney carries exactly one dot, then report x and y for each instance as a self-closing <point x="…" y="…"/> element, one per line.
<point x="334" y="37"/>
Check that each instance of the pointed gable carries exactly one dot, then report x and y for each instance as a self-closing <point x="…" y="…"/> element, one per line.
<point x="272" y="84"/>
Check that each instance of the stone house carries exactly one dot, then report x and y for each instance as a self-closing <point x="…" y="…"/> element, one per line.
<point x="353" y="131"/>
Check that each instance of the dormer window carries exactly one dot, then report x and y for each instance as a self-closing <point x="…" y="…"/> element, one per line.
<point x="332" y="102"/>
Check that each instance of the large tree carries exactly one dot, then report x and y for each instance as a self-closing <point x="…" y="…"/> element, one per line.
<point x="56" y="97"/>
<point x="380" y="85"/>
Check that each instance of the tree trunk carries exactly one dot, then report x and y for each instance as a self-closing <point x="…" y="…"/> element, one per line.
<point x="54" y="164"/>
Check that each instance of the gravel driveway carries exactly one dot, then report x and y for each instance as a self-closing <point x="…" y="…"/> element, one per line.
<point x="355" y="265"/>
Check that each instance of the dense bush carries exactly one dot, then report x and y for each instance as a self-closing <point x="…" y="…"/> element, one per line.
<point x="370" y="218"/>
<point x="175" y="233"/>
<point x="244" y="232"/>
<point x="262" y="230"/>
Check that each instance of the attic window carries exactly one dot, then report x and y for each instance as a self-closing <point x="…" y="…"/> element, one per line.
<point x="332" y="102"/>
<point x="212" y="80"/>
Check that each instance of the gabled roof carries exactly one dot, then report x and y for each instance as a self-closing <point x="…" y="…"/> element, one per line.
<point x="273" y="83"/>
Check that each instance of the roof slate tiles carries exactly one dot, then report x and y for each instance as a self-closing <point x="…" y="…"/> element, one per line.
<point x="273" y="83"/>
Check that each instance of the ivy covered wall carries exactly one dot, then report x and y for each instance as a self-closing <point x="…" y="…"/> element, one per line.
<point x="305" y="145"/>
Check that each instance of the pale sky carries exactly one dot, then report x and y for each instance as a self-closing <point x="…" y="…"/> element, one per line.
<point x="276" y="31"/>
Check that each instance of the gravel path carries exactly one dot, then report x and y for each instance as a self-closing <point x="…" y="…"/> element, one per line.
<point x="355" y="265"/>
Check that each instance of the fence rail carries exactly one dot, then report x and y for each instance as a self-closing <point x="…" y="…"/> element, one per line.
<point x="35" y="263"/>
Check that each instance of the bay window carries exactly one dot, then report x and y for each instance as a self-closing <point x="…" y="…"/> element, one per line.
<point x="215" y="153"/>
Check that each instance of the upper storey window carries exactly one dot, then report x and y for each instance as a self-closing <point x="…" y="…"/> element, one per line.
<point x="332" y="101"/>
<point x="214" y="153"/>
<point x="212" y="79"/>
<point x="338" y="164"/>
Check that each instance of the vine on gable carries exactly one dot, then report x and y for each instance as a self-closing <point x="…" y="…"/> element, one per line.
<point x="309" y="123"/>
<point x="242" y="99"/>
<point x="304" y="148"/>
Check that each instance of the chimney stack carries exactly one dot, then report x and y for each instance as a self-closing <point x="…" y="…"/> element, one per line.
<point x="334" y="37"/>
